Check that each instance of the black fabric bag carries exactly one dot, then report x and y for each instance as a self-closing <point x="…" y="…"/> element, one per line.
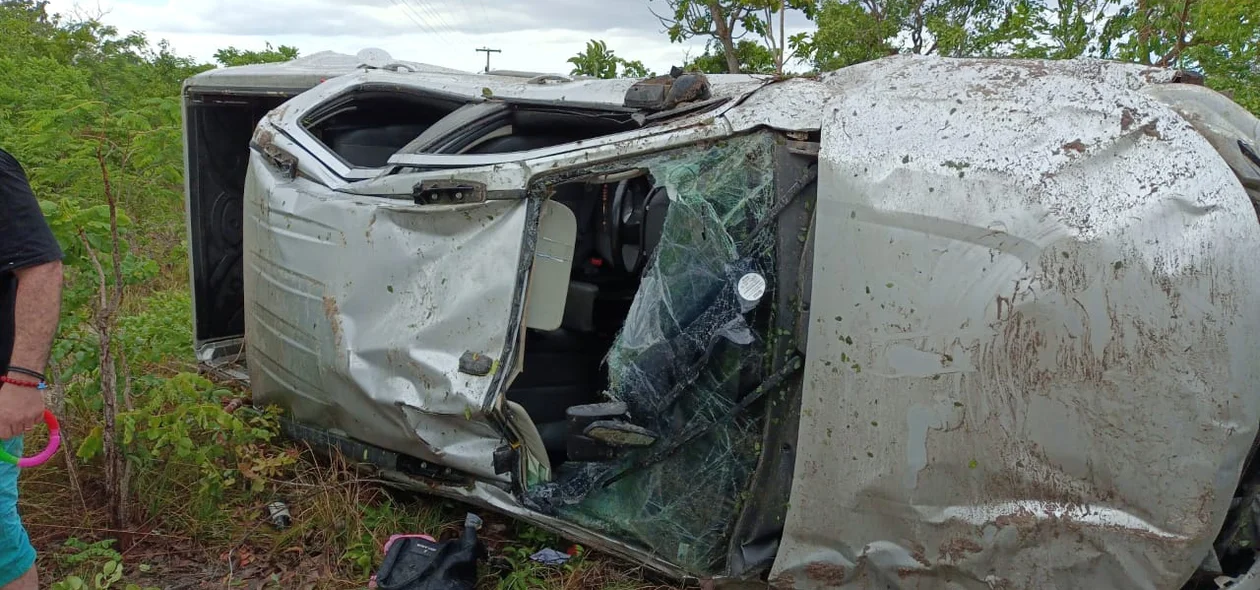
<point x="418" y="564"/>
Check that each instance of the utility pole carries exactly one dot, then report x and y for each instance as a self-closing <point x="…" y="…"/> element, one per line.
<point x="488" y="52"/>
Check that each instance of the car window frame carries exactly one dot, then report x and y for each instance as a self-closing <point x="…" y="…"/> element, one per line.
<point x="299" y="132"/>
<point x="294" y="127"/>
<point x="506" y="107"/>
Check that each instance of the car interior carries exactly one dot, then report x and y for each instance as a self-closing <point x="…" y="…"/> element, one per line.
<point x="619" y="223"/>
<point x="366" y="127"/>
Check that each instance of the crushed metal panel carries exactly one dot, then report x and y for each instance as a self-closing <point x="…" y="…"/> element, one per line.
<point x="358" y="311"/>
<point x="1231" y="129"/>
<point x="981" y="77"/>
<point x="794" y="105"/>
<point x="797" y="104"/>
<point x="1033" y="350"/>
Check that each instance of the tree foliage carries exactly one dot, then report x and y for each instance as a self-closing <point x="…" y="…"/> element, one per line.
<point x="1217" y="38"/>
<point x="94" y="117"/>
<point x="752" y="57"/>
<point x="231" y="56"/>
<point x="724" y="23"/>
<point x="853" y="31"/>
<point x="599" y="61"/>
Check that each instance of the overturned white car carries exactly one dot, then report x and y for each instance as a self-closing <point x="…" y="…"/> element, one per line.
<point x="918" y="323"/>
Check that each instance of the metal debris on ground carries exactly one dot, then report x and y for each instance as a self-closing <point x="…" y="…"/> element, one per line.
<point x="550" y="557"/>
<point x="278" y="514"/>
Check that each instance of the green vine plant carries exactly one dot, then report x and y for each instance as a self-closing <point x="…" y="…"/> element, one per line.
<point x="102" y="559"/>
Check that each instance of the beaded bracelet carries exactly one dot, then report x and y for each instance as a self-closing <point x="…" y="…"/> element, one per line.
<point x="21" y="383"/>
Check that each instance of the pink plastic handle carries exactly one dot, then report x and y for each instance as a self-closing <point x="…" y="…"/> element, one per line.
<point x="54" y="442"/>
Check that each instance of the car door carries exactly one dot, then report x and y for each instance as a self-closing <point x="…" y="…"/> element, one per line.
<point x="379" y="316"/>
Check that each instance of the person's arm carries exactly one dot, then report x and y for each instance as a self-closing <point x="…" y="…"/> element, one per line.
<point x="29" y="251"/>
<point x="36" y="310"/>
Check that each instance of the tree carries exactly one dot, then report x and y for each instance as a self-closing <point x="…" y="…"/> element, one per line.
<point x="601" y="62"/>
<point x="1219" y="38"/>
<point x="726" y="22"/>
<point x="635" y="69"/>
<point x="753" y="58"/>
<point x="849" y="33"/>
<point x="1068" y="29"/>
<point x="597" y="61"/>
<point x="231" y="56"/>
<point x="853" y="31"/>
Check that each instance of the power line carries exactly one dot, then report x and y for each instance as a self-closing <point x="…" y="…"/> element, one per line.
<point x="409" y="13"/>
<point x="460" y="13"/>
<point x="488" y="52"/>
<point x="435" y="17"/>
<point x="442" y="12"/>
<point x="429" y="18"/>
<point x="414" y="16"/>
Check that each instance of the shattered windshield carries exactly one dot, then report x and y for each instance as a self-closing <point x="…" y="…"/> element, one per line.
<point x="690" y="349"/>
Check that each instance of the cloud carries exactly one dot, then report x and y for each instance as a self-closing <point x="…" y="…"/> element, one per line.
<point x="579" y="15"/>
<point x="386" y="17"/>
<point x="535" y="35"/>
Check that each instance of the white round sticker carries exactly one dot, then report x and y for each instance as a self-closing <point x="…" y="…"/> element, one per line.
<point x="752" y="287"/>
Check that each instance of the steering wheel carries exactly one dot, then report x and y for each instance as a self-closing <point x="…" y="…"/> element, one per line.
<point x="629" y="208"/>
<point x="614" y="220"/>
<point x="54" y="441"/>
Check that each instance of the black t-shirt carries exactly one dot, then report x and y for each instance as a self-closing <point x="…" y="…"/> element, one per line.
<point x="25" y="240"/>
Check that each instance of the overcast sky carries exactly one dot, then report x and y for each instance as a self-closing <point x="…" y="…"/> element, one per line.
<point x="534" y="35"/>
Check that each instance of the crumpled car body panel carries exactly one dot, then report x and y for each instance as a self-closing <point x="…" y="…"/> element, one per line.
<point x="1033" y="351"/>
<point x="359" y="309"/>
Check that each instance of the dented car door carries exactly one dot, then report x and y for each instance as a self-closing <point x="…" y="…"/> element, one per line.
<point x="361" y="309"/>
